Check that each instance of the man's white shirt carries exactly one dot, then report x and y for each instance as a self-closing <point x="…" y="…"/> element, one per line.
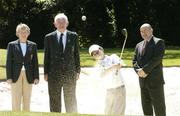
<point x="63" y="38"/>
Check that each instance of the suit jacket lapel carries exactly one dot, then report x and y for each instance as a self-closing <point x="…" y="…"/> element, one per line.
<point x="55" y="39"/>
<point x="27" y="48"/>
<point x="140" y="48"/>
<point x="19" y="48"/>
<point x="68" y="38"/>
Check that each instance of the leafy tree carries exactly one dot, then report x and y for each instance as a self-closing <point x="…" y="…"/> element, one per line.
<point x="14" y="12"/>
<point x="105" y="19"/>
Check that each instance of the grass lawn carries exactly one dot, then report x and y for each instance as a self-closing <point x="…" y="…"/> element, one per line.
<point x="171" y="58"/>
<point x="40" y="114"/>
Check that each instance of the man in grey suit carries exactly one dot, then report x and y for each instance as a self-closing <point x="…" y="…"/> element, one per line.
<point x="147" y="63"/>
<point x="62" y="65"/>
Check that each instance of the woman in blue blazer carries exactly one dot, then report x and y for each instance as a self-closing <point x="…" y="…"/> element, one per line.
<point x="22" y="68"/>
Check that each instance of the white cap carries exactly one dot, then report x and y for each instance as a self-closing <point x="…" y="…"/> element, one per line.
<point x="94" y="47"/>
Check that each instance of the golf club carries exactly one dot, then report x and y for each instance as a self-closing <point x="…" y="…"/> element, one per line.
<point x="125" y="33"/>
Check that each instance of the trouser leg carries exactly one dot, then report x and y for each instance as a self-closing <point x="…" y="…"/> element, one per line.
<point x="69" y="89"/>
<point x="27" y="89"/>
<point x="16" y="93"/>
<point x="54" y="88"/>
<point x="158" y="101"/>
<point x="120" y="101"/>
<point x="115" y="101"/>
<point x="146" y="102"/>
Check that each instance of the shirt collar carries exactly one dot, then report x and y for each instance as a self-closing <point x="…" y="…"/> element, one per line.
<point x="149" y="38"/>
<point x="59" y="33"/>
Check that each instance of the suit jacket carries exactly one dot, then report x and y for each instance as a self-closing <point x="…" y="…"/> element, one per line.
<point x="15" y="61"/>
<point x="150" y="62"/>
<point x="57" y="63"/>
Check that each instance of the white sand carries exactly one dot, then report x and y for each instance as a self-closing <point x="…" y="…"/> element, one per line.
<point x="91" y="93"/>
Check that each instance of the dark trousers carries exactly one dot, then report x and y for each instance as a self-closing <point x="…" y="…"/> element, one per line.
<point x="153" y="98"/>
<point x="69" y="90"/>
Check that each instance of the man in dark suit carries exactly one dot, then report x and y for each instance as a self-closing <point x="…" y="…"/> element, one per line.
<point x="62" y="65"/>
<point x="22" y="68"/>
<point x="147" y="63"/>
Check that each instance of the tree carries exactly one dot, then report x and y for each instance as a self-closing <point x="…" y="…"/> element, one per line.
<point x="105" y="19"/>
<point x="14" y="12"/>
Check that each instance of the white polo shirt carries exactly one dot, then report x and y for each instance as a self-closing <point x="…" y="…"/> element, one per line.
<point x="113" y="78"/>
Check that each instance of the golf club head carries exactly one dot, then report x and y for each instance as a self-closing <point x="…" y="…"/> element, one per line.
<point x="124" y="32"/>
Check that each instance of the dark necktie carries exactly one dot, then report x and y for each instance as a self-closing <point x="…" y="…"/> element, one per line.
<point x="60" y="42"/>
<point x="144" y="47"/>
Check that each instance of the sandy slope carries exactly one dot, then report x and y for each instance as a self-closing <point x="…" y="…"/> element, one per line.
<point x="91" y="93"/>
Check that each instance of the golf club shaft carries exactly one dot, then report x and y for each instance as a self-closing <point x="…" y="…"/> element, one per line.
<point x="122" y="50"/>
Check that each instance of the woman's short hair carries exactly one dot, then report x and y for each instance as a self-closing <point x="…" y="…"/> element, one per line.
<point x="20" y="27"/>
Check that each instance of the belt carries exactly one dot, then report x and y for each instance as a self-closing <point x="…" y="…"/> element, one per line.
<point x="122" y="86"/>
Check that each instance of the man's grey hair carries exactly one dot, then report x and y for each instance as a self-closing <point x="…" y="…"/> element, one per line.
<point x="61" y="16"/>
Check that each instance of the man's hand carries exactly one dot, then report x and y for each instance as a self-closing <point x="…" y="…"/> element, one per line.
<point x="9" y="81"/>
<point x="36" y="81"/>
<point x="46" y="77"/>
<point x="141" y="73"/>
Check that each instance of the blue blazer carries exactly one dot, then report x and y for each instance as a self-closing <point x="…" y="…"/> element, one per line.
<point x="15" y="61"/>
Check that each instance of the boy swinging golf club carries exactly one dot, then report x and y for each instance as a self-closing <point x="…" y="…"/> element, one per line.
<point x="111" y="72"/>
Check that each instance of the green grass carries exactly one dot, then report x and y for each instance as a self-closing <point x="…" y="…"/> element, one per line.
<point x="171" y="58"/>
<point x="40" y="114"/>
